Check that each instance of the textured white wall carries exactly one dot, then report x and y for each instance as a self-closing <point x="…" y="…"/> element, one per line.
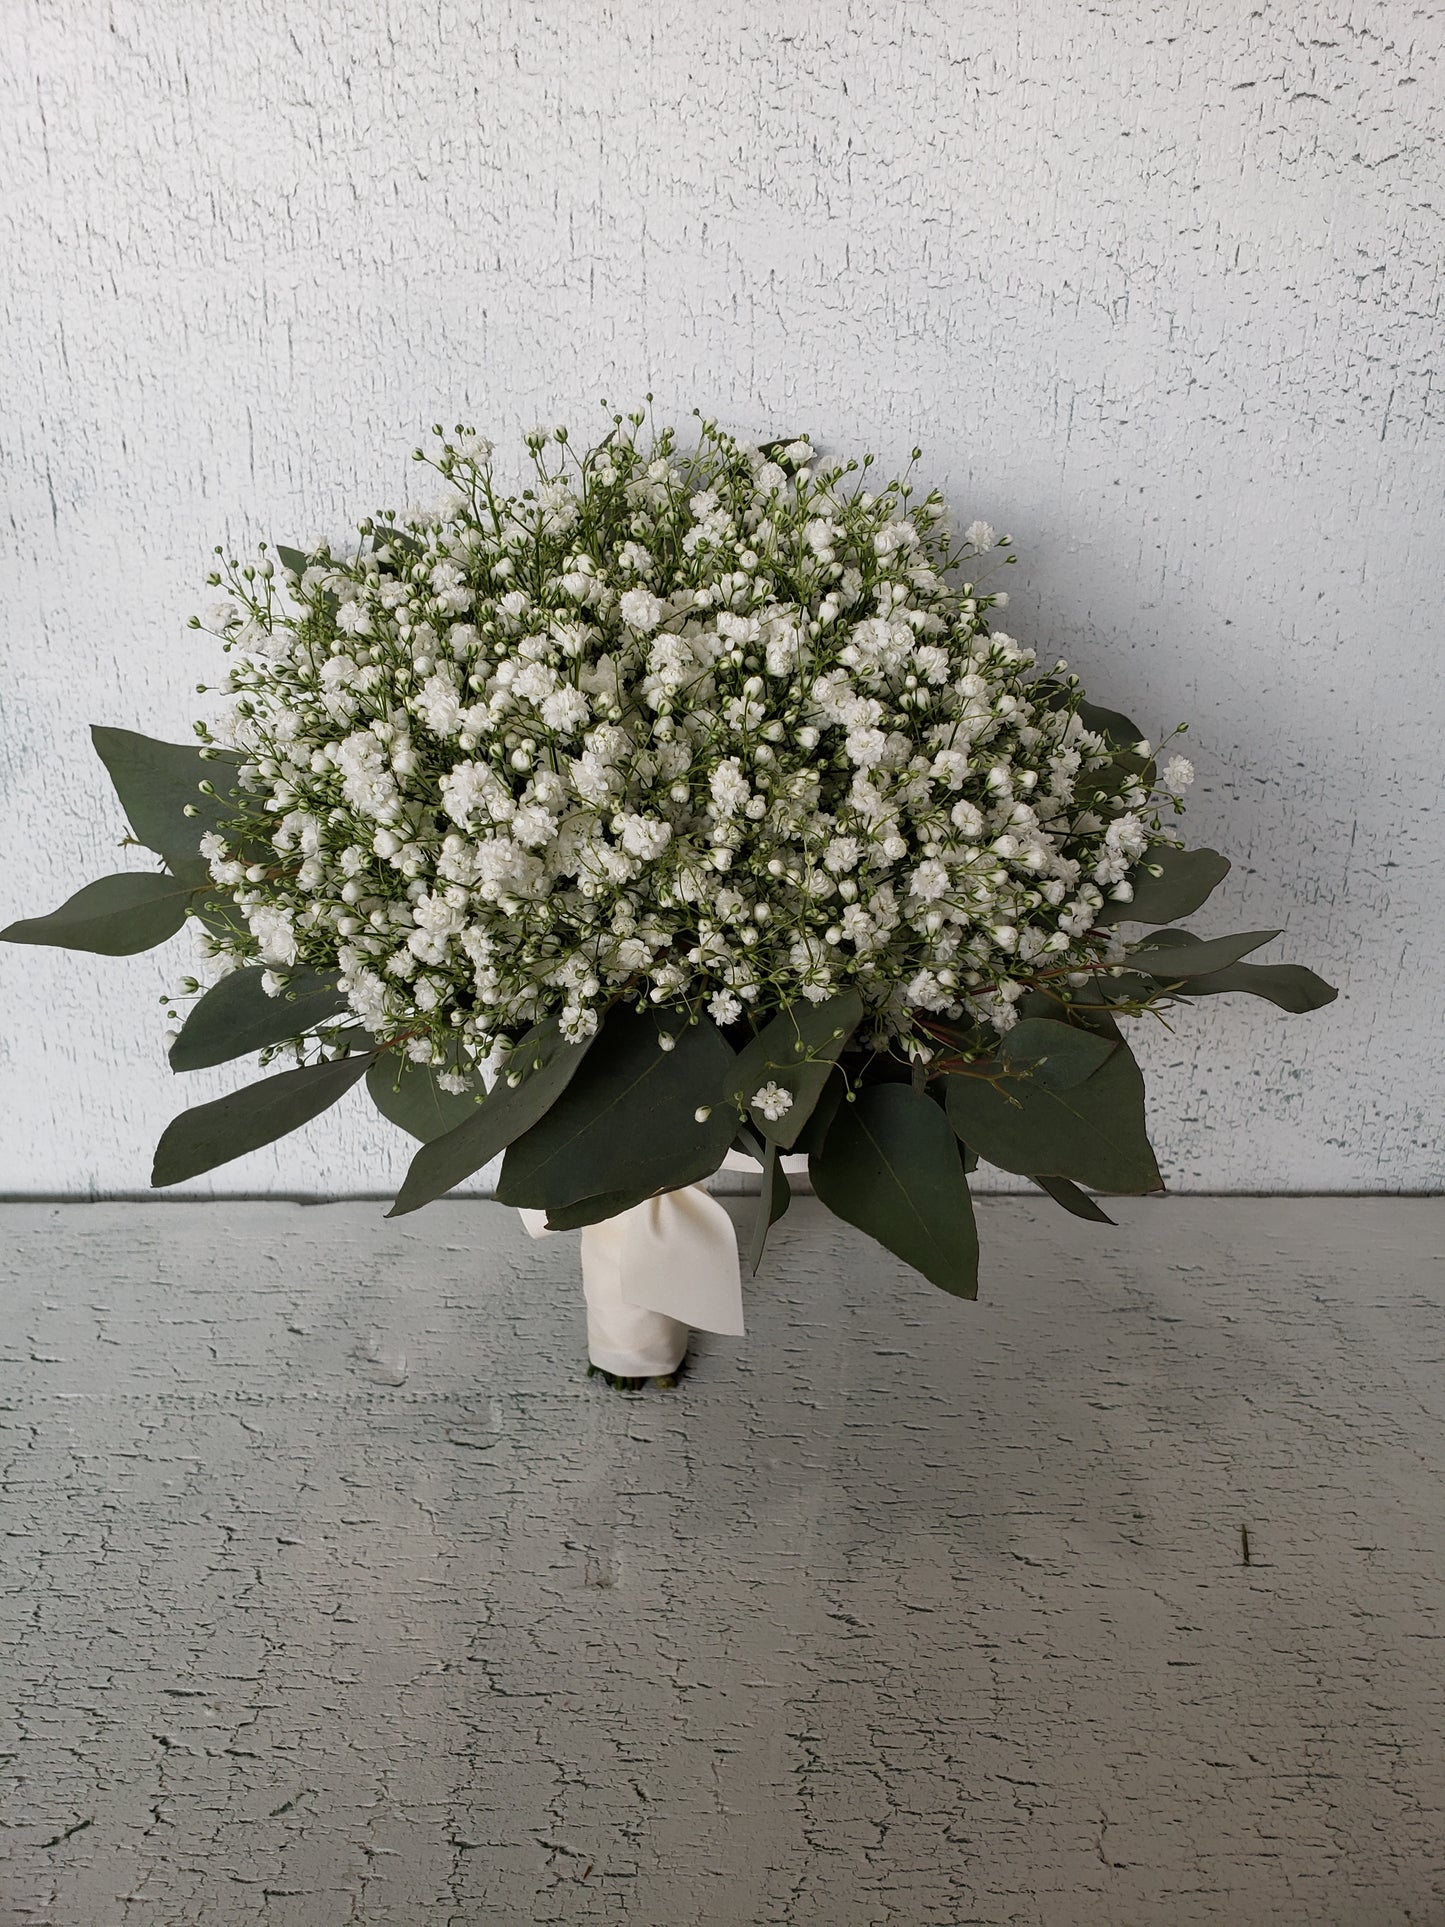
<point x="1155" y="285"/>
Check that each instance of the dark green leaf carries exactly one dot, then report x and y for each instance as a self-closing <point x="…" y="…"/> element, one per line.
<point x="116" y="916"/>
<point x="236" y="1016"/>
<point x="797" y="1051"/>
<point x="1093" y="1133"/>
<point x="1187" y="879"/>
<point x="630" y="1121"/>
<point x="1111" y="987"/>
<point x="890" y="1166"/>
<point x="1111" y="725"/>
<point x="156" y="783"/>
<point x="211" y="1134"/>
<point x="1290" y="986"/>
<point x="1176" y="954"/>
<point x="1073" y="1199"/>
<point x="1058" y="1055"/>
<point x="549" y="1063"/>
<point x="296" y="560"/>
<point x="611" y="1204"/>
<point x="1086" y="1008"/>
<point x="810" y="1138"/>
<point x="408" y="1094"/>
<point x="774" y="1196"/>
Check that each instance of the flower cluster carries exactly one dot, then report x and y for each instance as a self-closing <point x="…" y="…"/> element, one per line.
<point x="715" y="729"/>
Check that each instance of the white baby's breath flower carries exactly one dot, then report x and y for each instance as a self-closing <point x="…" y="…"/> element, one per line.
<point x="1176" y="775"/>
<point x="640" y="610"/>
<point x="772" y="1101"/>
<point x="715" y="734"/>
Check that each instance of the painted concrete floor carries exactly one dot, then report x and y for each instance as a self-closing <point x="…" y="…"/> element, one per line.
<point x="333" y="1593"/>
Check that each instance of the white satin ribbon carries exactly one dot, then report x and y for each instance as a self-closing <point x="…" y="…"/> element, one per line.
<point x="651" y="1273"/>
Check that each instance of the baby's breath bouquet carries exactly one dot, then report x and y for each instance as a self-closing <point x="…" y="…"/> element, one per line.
<point x="681" y="801"/>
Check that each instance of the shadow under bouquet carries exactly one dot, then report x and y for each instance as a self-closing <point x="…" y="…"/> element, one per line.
<point x="680" y="803"/>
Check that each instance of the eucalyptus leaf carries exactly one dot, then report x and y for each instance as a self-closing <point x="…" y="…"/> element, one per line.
<point x="1186" y="881"/>
<point x="1172" y="955"/>
<point x="1114" y="727"/>
<point x="211" y="1134"/>
<point x="630" y="1121"/>
<point x="796" y="1051"/>
<point x="1108" y="987"/>
<point x="1054" y="1054"/>
<point x="296" y="560"/>
<point x="775" y="1194"/>
<point x="810" y="1138"/>
<point x="1073" y="1199"/>
<point x="890" y="1166"/>
<point x="235" y="1016"/>
<point x="158" y="782"/>
<point x="115" y="916"/>
<point x="1290" y="986"/>
<point x="409" y="1095"/>
<point x="548" y="1064"/>
<point x="575" y="1217"/>
<point x="1087" y="1007"/>
<point x="1093" y="1132"/>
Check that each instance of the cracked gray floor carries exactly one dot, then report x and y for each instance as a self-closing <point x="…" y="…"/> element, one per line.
<point x="334" y="1594"/>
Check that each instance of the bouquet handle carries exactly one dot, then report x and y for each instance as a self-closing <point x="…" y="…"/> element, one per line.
<point x="653" y="1273"/>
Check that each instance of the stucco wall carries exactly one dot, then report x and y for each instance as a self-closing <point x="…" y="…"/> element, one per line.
<point x="1155" y="287"/>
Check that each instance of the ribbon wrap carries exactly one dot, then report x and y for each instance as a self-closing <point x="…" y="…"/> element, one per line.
<point x="651" y="1274"/>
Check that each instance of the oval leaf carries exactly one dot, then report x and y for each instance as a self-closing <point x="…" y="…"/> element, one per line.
<point x="1174" y="955"/>
<point x="1290" y="986"/>
<point x="211" y="1134"/>
<point x="1111" y="725"/>
<point x="1058" y="1055"/>
<point x="408" y="1094"/>
<point x="1186" y="880"/>
<point x="1085" y="1009"/>
<point x="156" y="782"/>
<point x="236" y="1016"/>
<point x="576" y="1217"/>
<point x="775" y="1194"/>
<point x="1093" y="1133"/>
<point x="1073" y="1199"/>
<point x="796" y="1051"/>
<point x="628" y="1123"/>
<point x="891" y="1166"/>
<point x="115" y="916"/>
<point x="548" y="1063"/>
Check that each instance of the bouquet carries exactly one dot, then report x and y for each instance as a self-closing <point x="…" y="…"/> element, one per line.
<point x="682" y="801"/>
